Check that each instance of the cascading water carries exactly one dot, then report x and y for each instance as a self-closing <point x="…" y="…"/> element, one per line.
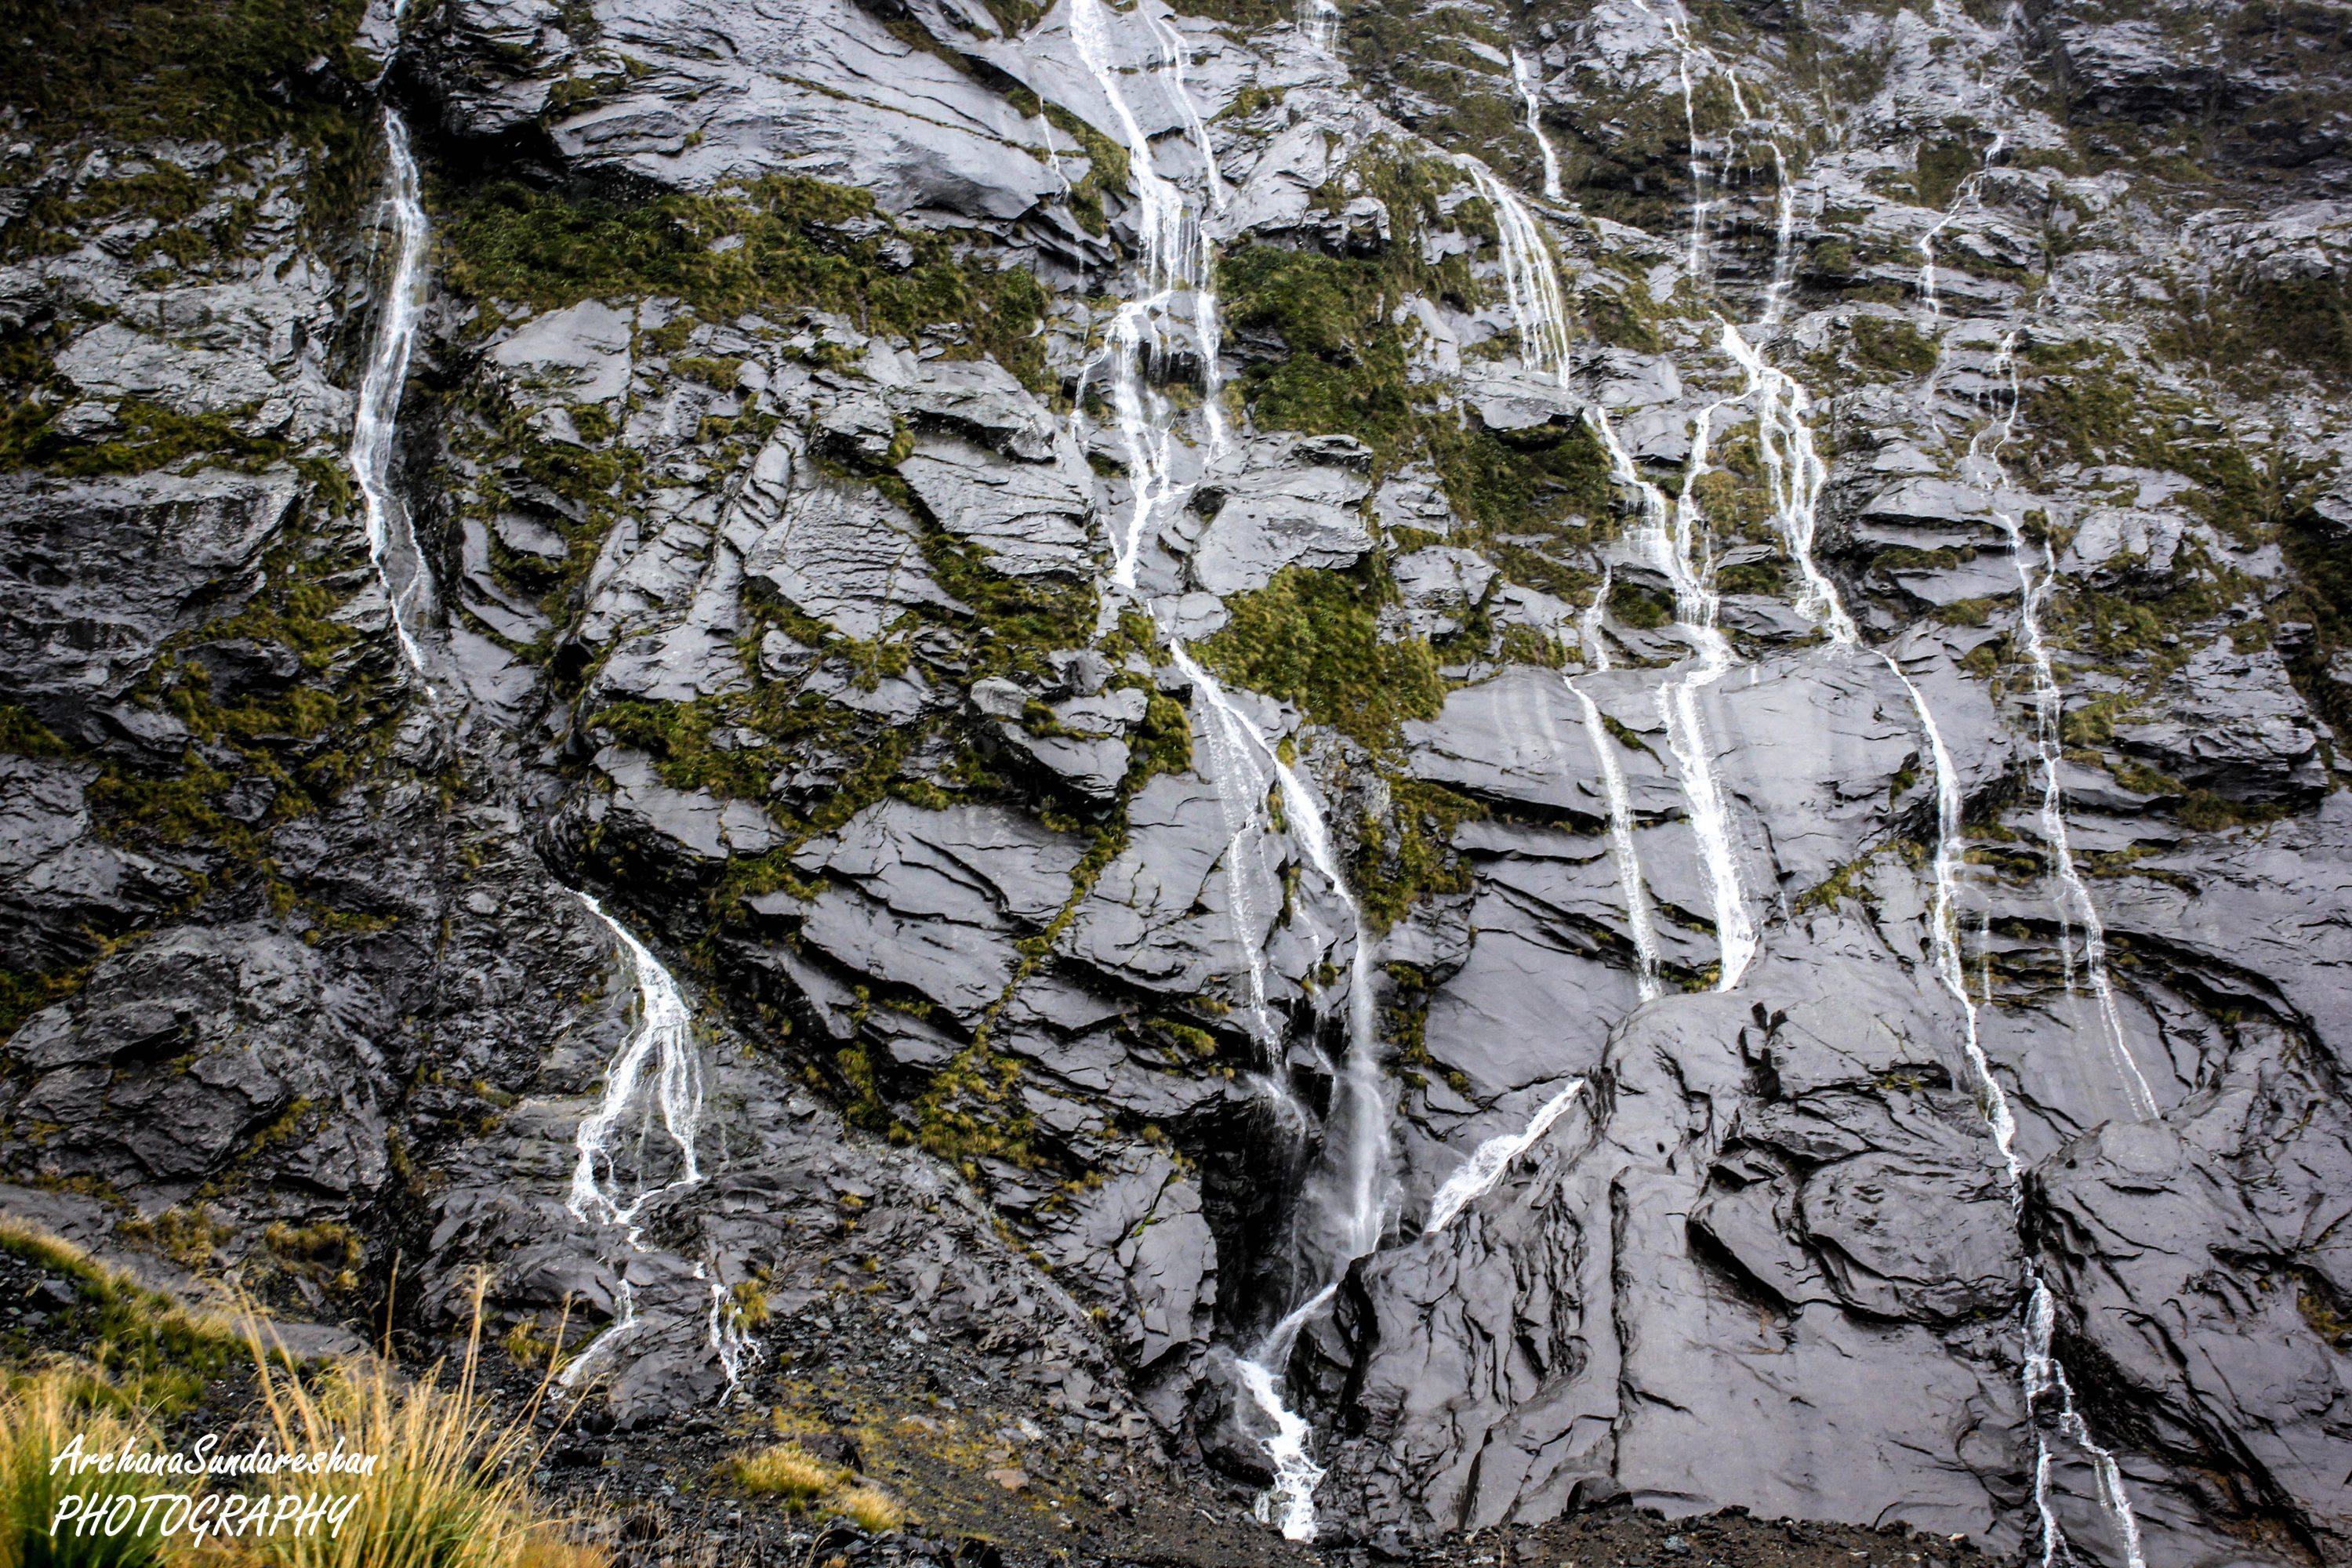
<point x="1174" y="258"/>
<point x="392" y="541"/>
<point x="2074" y="900"/>
<point x="1796" y="475"/>
<point x="1242" y="785"/>
<point x="1668" y="536"/>
<point x="1318" y="23"/>
<point x="663" y="1038"/>
<point x="1628" y="860"/>
<point x="1523" y="77"/>
<point x="664" y="1028"/>
<point x="1477" y="1175"/>
<point x="1965" y="193"/>
<point x="2044" y="1380"/>
<point x="1530" y="283"/>
<point x="1348" y="1194"/>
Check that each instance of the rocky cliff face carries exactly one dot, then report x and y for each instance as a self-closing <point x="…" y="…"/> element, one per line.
<point x="1451" y="760"/>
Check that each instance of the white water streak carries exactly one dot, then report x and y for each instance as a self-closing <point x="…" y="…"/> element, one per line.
<point x="1233" y="748"/>
<point x="2074" y="903"/>
<point x="1796" y="476"/>
<point x="1476" y="1176"/>
<point x="663" y="1039"/>
<point x="1530" y="282"/>
<point x="1354" y="1186"/>
<point x="1629" y="885"/>
<point x="1173" y="265"/>
<point x="1964" y="194"/>
<point x="1523" y="77"/>
<point x="1289" y="1502"/>
<point x="391" y="538"/>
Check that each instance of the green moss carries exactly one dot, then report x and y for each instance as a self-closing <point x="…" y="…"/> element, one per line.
<point x="1634" y="605"/>
<point x="25" y="736"/>
<point x="796" y="244"/>
<point x="1882" y="344"/>
<point x="1390" y="875"/>
<point x="2208" y="813"/>
<point x="236" y="71"/>
<point x="22" y="994"/>
<point x="152" y="436"/>
<point x="1162" y="744"/>
<point x="1312" y="638"/>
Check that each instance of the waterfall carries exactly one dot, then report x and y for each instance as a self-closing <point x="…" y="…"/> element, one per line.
<point x="1530" y="283"/>
<point x="1782" y="410"/>
<point x="1794" y="474"/>
<point x="1360" y="1211"/>
<point x="1523" y="77"/>
<point x="2074" y="901"/>
<point x="1350" y="1192"/>
<point x="1318" y="23"/>
<point x="1174" y="258"/>
<point x="399" y="564"/>
<point x="1350" y="1189"/>
<point x="1290" y="1500"/>
<point x="1242" y="785"/>
<point x="1668" y="536"/>
<point x="663" y="1037"/>
<point x="663" y="1032"/>
<point x="1964" y="193"/>
<point x="1620" y="803"/>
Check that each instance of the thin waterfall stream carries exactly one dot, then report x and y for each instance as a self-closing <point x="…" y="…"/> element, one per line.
<point x="662" y="1034"/>
<point x="1796" y="476"/>
<point x="1346" y="1194"/>
<point x="2074" y="901"/>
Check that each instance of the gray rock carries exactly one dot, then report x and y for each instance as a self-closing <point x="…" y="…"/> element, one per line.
<point x="2232" y="722"/>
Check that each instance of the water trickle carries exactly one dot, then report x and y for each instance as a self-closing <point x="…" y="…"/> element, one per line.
<point x="1782" y="411"/>
<point x="1173" y="264"/>
<point x="2075" y="910"/>
<point x="1289" y="1502"/>
<point x="1636" y="894"/>
<point x="1668" y="536"/>
<point x="1347" y="1197"/>
<point x="1318" y="23"/>
<point x="1523" y="76"/>
<point x="1242" y="784"/>
<point x="661" y="1039"/>
<point x="1530" y="283"/>
<point x="1794" y="474"/>
<point x="1965" y="193"/>
<point x="663" y="1031"/>
<point x="1478" y="1174"/>
<point x="399" y="564"/>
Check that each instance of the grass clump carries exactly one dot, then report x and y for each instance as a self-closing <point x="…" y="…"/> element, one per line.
<point x="784" y="243"/>
<point x="798" y="1479"/>
<point x="784" y="1470"/>
<point x="450" y="1486"/>
<point x="40" y="1420"/>
<point x="138" y="1337"/>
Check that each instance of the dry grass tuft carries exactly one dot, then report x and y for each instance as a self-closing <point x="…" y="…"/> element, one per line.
<point x="39" y="1419"/>
<point x="874" y="1511"/>
<point x="786" y="1470"/>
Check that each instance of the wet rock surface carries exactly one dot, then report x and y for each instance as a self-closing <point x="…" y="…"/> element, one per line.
<point x="1669" y="845"/>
